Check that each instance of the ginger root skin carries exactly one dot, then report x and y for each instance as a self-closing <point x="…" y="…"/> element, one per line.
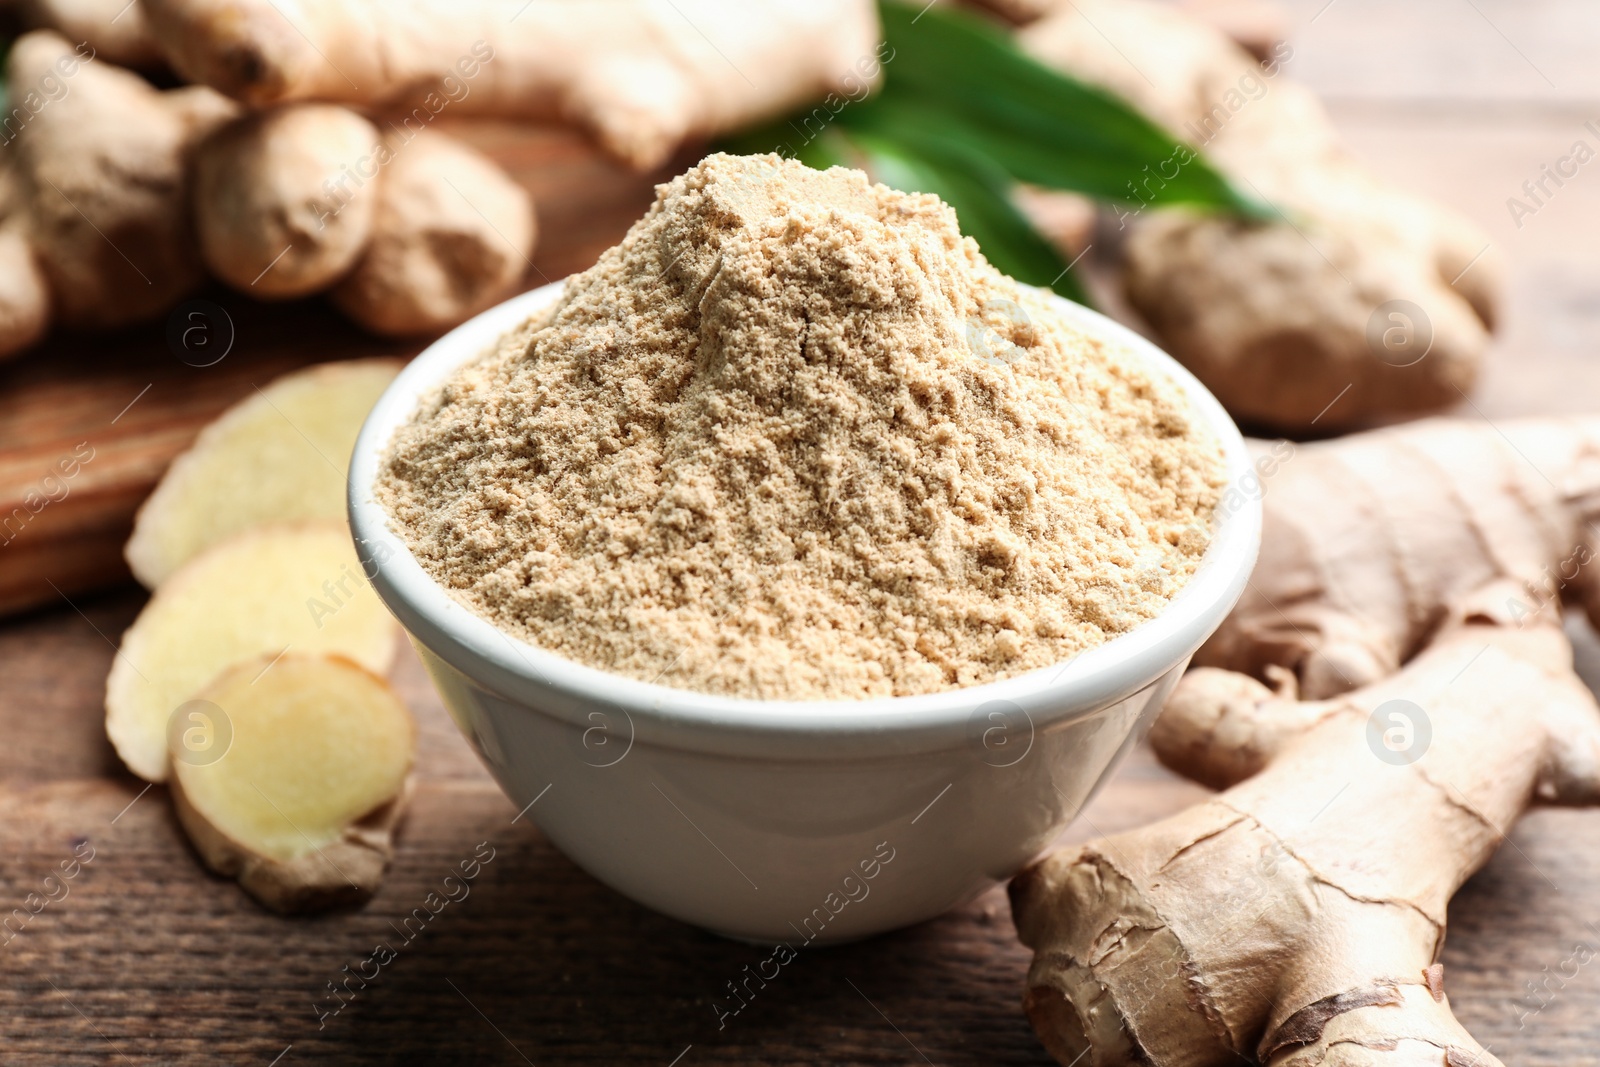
<point x="452" y="234"/>
<point x="641" y="77"/>
<point x="1296" y="919"/>
<point x="114" y="29"/>
<point x="103" y="179"/>
<point x="118" y="196"/>
<point x="1280" y="319"/>
<point x="1257" y="26"/>
<point x="1371" y="543"/>
<point x="275" y="209"/>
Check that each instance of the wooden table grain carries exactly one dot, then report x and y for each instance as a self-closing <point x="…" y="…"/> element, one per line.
<point x="143" y="958"/>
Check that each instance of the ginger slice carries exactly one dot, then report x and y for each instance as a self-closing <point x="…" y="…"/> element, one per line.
<point x="291" y="775"/>
<point x="277" y="456"/>
<point x="288" y="587"/>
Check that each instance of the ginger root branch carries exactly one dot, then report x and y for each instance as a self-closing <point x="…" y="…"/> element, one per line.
<point x="1297" y="918"/>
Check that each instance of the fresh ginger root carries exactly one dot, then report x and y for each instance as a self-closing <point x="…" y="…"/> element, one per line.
<point x="291" y="775"/>
<point x="24" y="292"/>
<point x="1279" y="319"/>
<point x="1257" y="26"/>
<point x="641" y="76"/>
<point x="114" y="29"/>
<point x="101" y="165"/>
<point x="267" y="224"/>
<point x="451" y="235"/>
<point x="1370" y="541"/>
<point x="279" y="455"/>
<point x="122" y="195"/>
<point x="412" y="230"/>
<point x="1296" y="919"/>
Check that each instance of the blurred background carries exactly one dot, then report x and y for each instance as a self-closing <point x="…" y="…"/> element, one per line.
<point x="1467" y="104"/>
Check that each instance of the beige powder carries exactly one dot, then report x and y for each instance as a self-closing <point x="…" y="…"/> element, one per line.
<point x="795" y="439"/>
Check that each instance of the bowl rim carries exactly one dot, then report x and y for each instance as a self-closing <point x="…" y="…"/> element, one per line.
<point x="681" y="718"/>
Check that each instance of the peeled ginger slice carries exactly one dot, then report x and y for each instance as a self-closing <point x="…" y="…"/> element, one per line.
<point x="279" y="455"/>
<point x="295" y="588"/>
<point x="290" y="775"/>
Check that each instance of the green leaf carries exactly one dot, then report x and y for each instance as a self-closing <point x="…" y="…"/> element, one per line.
<point x="5" y="74"/>
<point x="964" y="114"/>
<point x="951" y="76"/>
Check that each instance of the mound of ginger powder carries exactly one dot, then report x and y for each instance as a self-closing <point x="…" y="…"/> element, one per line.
<point x="795" y="439"/>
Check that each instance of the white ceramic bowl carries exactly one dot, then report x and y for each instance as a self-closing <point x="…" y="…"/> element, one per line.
<point x="779" y="821"/>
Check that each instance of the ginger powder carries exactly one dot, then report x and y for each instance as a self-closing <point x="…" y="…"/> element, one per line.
<point x="795" y="439"/>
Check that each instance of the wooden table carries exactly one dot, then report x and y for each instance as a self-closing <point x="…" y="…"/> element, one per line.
<point x="147" y="959"/>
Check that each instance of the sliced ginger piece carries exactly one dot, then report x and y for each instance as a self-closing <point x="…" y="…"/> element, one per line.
<point x="279" y="455"/>
<point x="291" y="775"/>
<point x="297" y="587"/>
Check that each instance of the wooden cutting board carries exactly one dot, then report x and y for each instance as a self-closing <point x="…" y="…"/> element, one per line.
<point x="88" y="423"/>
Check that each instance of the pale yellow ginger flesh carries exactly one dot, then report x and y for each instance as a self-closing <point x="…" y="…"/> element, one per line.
<point x="277" y="456"/>
<point x="641" y="76"/>
<point x="1369" y="540"/>
<point x="290" y="587"/>
<point x="290" y="775"/>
